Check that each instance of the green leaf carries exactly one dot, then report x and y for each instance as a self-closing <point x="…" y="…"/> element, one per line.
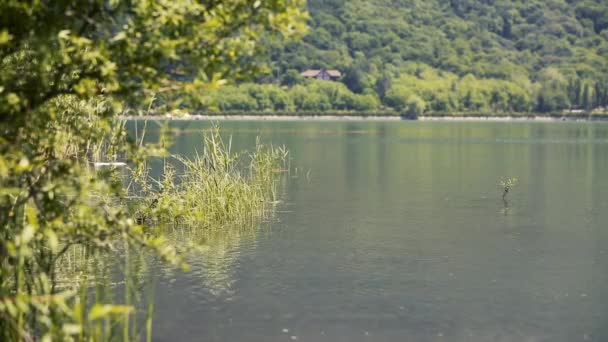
<point x="10" y="191"/>
<point x="122" y="35"/>
<point x="52" y="239"/>
<point x="103" y="310"/>
<point x="64" y="34"/>
<point x="71" y="329"/>
<point x="5" y="37"/>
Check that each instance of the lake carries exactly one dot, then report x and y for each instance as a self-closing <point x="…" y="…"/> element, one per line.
<point x="396" y="231"/>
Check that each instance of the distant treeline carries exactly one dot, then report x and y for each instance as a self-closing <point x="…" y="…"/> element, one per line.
<point x="419" y="90"/>
<point x="428" y="56"/>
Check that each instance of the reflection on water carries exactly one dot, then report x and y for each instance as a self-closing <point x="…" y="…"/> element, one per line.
<point x="400" y="233"/>
<point x="213" y="255"/>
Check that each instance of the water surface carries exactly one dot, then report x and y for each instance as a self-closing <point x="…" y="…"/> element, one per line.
<point x="397" y="231"/>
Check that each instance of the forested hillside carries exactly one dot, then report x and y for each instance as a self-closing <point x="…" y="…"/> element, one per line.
<point x="440" y="56"/>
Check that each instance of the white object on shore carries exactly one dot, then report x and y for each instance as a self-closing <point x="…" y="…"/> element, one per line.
<point x="115" y="164"/>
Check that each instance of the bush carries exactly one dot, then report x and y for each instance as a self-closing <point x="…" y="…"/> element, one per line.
<point x="315" y="102"/>
<point x="415" y="106"/>
<point x="397" y="97"/>
<point x="291" y="77"/>
<point x="261" y="95"/>
<point x="362" y="103"/>
<point x="235" y="100"/>
<point x="280" y="99"/>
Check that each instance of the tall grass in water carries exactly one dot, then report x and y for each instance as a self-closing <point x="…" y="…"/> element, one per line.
<point x="200" y="206"/>
<point x="217" y="188"/>
<point x="71" y="264"/>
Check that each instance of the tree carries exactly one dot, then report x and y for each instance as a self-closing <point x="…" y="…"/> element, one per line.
<point x="601" y="92"/>
<point x="397" y="97"/>
<point x="362" y="103"/>
<point x="68" y="67"/>
<point x="441" y="102"/>
<point x="237" y="100"/>
<point x="383" y="84"/>
<point x="587" y="102"/>
<point x="415" y="106"/>
<point x="354" y="79"/>
<point x="315" y="102"/>
<point x="511" y="39"/>
<point x="291" y="77"/>
<point x="507" y="28"/>
<point x="553" y="94"/>
<point x="574" y="91"/>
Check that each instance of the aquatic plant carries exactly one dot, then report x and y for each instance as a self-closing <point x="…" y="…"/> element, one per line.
<point x="216" y="188"/>
<point x="507" y="183"/>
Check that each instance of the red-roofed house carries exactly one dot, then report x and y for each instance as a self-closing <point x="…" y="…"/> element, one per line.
<point x="322" y="74"/>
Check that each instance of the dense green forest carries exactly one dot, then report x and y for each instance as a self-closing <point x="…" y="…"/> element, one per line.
<point x="429" y="56"/>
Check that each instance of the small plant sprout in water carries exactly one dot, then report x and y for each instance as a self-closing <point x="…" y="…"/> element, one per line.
<point x="507" y="184"/>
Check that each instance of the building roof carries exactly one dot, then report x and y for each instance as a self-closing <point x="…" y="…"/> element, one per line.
<point x="310" y="73"/>
<point x="316" y="72"/>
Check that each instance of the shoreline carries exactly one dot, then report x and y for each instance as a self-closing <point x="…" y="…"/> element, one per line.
<point x="462" y="118"/>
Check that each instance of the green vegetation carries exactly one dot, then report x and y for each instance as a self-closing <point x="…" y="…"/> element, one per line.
<point x="216" y="189"/>
<point x="507" y="184"/>
<point x="437" y="56"/>
<point x="68" y="68"/>
<point x="305" y="97"/>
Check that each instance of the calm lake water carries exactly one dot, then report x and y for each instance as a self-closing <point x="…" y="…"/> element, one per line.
<point x="396" y="231"/>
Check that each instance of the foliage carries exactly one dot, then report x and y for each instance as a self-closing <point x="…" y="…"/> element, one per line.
<point x="52" y="200"/>
<point x="217" y="188"/>
<point x="507" y="184"/>
<point x="504" y="56"/>
<point x="291" y="77"/>
<point x="308" y="96"/>
<point x="68" y="67"/>
<point x="445" y="91"/>
<point x="415" y="106"/>
<point x="133" y="49"/>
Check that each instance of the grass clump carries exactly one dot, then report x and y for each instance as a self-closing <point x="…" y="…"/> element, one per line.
<point x="216" y="188"/>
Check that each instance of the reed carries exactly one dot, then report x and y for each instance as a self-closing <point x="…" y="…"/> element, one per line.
<point x="74" y="267"/>
<point x="216" y="189"/>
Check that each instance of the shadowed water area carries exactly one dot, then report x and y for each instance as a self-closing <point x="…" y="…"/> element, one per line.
<point x="397" y="231"/>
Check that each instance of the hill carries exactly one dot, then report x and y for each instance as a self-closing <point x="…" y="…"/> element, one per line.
<point x="444" y="55"/>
